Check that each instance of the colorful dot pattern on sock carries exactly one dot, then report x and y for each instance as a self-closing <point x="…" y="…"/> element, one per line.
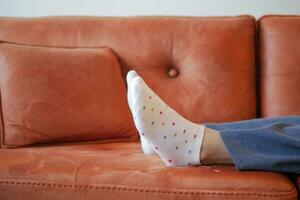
<point x="165" y="122"/>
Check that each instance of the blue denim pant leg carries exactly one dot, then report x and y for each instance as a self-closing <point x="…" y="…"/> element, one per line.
<point x="267" y="144"/>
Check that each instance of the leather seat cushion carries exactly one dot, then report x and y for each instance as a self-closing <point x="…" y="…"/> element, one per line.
<point x="122" y="171"/>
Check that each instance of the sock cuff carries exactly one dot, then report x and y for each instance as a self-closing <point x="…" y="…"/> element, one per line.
<point x="198" y="144"/>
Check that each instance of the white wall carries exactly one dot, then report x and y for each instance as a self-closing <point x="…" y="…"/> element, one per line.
<point x="257" y="8"/>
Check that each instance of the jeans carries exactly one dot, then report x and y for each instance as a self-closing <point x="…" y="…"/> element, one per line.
<point x="265" y="144"/>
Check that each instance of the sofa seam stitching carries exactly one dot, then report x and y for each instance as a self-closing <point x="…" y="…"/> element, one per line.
<point x="122" y="188"/>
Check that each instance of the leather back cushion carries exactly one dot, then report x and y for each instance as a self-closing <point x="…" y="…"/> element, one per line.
<point x="215" y="56"/>
<point x="280" y="65"/>
<point x="62" y="94"/>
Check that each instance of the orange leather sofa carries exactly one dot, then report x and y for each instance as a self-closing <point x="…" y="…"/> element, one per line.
<point x="210" y="69"/>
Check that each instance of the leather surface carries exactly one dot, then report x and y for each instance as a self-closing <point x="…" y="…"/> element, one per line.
<point x="280" y="65"/>
<point x="122" y="171"/>
<point x="214" y="61"/>
<point x="61" y="94"/>
<point x="298" y="184"/>
<point x="215" y="56"/>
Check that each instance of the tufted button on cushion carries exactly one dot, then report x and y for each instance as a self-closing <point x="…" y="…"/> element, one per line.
<point x="173" y="72"/>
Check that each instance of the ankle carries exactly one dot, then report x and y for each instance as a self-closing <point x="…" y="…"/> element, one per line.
<point x="213" y="150"/>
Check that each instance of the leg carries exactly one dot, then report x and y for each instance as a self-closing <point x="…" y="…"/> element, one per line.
<point x="262" y="144"/>
<point x="176" y="140"/>
<point x="213" y="150"/>
<point x="253" y="123"/>
<point x="270" y="144"/>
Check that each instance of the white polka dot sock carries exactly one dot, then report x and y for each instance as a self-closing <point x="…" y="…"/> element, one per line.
<point x="176" y="140"/>
<point x="146" y="147"/>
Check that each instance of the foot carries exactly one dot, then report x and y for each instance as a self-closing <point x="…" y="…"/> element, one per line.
<point x="146" y="147"/>
<point x="176" y="140"/>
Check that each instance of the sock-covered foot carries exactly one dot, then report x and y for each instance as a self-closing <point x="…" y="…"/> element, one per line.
<point x="130" y="76"/>
<point x="175" y="139"/>
<point x="146" y="147"/>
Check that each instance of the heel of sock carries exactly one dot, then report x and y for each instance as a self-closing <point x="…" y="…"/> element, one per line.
<point x="147" y="147"/>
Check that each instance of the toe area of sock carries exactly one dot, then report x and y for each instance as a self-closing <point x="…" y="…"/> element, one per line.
<point x="137" y="86"/>
<point x="131" y="75"/>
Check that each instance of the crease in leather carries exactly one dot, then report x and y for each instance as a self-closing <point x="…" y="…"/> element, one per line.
<point x="80" y="165"/>
<point x="2" y="130"/>
<point x="59" y="144"/>
<point x="29" y="129"/>
<point x="281" y="74"/>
